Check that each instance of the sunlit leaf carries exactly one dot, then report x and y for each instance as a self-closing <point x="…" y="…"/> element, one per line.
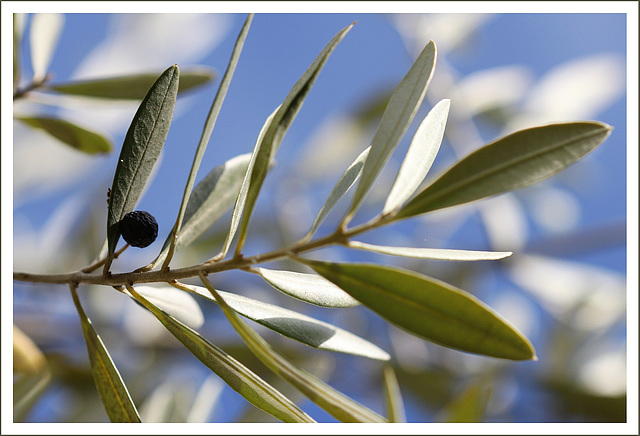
<point x="345" y="183"/>
<point x="44" y="35"/>
<point x="132" y="87"/>
<point x="311" y="288"/>
<point x="140" y="150"/>
<point x="428" y="308"/>
<point x="337" y="404"/>
<point x="233" y="373"/>
<point x="399" y="113"/>
<point x="309" y="331"/>
<point x="70" y="134"/>
<point x="112" y="389"/>
<point x="393" y="397"/>
<point x="431" y="253"/>
<point x="513" y="162"/>
<point x="278" y="127"/>
<point x="180" y="305"/>
<point x="420" y="156"/>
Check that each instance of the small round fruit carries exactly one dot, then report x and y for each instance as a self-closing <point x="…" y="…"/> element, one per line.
<point x="139" y="228"/>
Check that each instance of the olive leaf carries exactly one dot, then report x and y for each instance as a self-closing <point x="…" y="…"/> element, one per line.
<point x="393" y="396"/>
<point x="428" y="308"/>
<point x="115" y="396"/>
<point x="142" y="145"/>
<point x="431" y="253"/>
<point x="513" y="162"/>
<point x="70" y="134"/>
<point x="44" y="35"/>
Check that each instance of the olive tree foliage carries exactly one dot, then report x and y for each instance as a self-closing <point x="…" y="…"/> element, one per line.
<point x="424" y="307"/>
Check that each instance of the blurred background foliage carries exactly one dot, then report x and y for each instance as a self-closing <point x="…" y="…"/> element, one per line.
<point x="564" y="287"/>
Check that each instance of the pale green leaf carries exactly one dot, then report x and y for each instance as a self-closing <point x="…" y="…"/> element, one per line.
<point x="345" y="183"/>
<point x="26" y="391"/>
<point x="233" y="373"/>
<point x="132" y="87"/>
<point x="335" y="403"/>
<point x="278" y="127"/>
<point x="420" y="156"/>
<point x="431" y="253"/>
<point x="70" y="134"/>
<point x="178" y="304"/>
<point x="140" y="150"/>
<point x="393" y="396"/>
<point x="115" y="396"/>
<point x="513" y="162"/>
<point x="428" y="308"/>
<point x="469" y="406"/>
<point x="402" y="107"/>
<point x="294" y="325"/>
<point x="44" y="35"/>
<point x="310" y="288"/>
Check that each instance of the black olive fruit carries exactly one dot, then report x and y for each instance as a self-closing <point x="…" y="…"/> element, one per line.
<point x="139" y="228"/>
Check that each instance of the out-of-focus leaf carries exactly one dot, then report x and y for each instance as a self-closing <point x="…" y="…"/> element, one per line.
<point x="469" y="406"/>
<point x="420" y="156"/>
<point x="393" y="397"/>
<point x="311" y="288"/>
<point x="337" y="404"/>
<point x="345" y="183"/>
<point x="428" y="308"/>
<point x="309" y="331"/>
<point x="27" y="357"/>
<point x="431" y="253"/>
<point x="513" y="162"/>
<point x="133" y="87"/>
<point x="232" y="372"/>
<point x="112" y="389"/>
<point x="276" y="130"/>
<point x="26" y="391"/>
<point x="212" y="197"/>
<point x="206" y="134"/>
<point x="401" y="109"/>
<point x="18" y="28"/>
<point x="74" y="136"/>
<point x="180" y="305"/>
<point x="45" y="32"/>
<point x="140" y="150"/>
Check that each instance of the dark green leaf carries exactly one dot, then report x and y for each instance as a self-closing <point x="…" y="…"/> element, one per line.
<point x="140" y="150"/>
<point x="233" y="373"/>
<point x="428" y="308"/>
<point x="513" y="162"/>
<point x="133" y="87"/>
<point x="81" y="139"/>
<point x="112" y="389"/>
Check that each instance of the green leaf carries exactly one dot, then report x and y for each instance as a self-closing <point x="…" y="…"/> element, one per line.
<point x="337" y="404"/>
<point x="294" y="325"/>
<point x="345" y="183"/>
<point x="428" y="308"/>
<point x="431" y="253"/>
<point x="142" y="145"/>
<point x="44" y="35"/>
<point x="393" y="397"/>
<point x="74" y="136"/>
<point x="399" y="113"/>
<point x="278" y="127"/>
<point x="513" y="162"/>
<point x="132" y="87"/>
<point x="420" y="156"/>
<point x="111" y="388"/>
<point x="26" y="391"/>
<point x="206" y="135"/>
<point x="180" y="305"/>
<point x="310" y="288"/>
<point x="469" y="406"/>
<point x="233" y="373"/>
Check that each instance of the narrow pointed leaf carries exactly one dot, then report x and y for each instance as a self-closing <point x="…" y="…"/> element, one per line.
<point x="70" y="134"/>
<point x="431" y="253"/>
<point x="345" y="183"/>
<point x="179" y="305"/>
<point x="294" y="325"/>
<point x="402" y="107"/>
<point x="278" y="127"/>
<point x="311" y="288"/>
<point x="132" y="87"/>
<point x="140" y="150"/>
<point x="115" y="396"/>
<point x="337" y="404"/>
<point x="513" y="162"/>
<point x="428" y="308"/>
<point x="420" y="156"/>
<point x="233" y="373"/>
<point x="45" y="32"/>
<point x="393" y="397"/>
